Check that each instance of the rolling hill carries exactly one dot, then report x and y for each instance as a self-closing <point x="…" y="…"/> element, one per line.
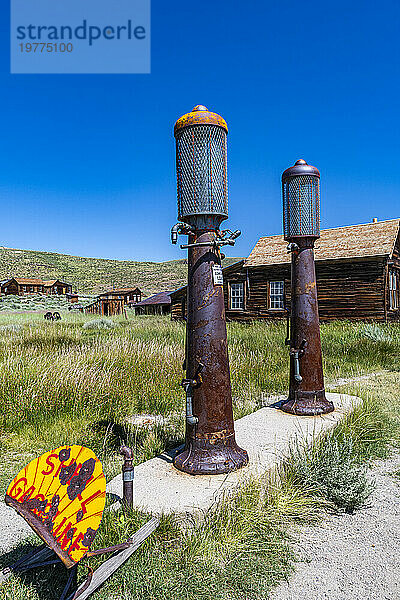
<point x="95" y="275"/>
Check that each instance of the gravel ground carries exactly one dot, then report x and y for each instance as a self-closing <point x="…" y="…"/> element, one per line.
<point x="352" y="557"/>
<point x="13" y="528"/>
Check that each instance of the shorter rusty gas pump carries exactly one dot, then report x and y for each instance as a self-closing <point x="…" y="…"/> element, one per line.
<point x="301" y="224"/>
<point x="201" y="163"/>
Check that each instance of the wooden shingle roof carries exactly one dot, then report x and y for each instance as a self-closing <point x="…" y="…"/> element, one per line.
<point x="27" y="281"/>
<point x="353" y="241"/>
<point x="52" y="282"/>
<point x="122" y="292"/>
<point x="32" y="281"/>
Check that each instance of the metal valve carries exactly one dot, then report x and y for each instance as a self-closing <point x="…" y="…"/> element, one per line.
<point x="180" y="228"/>
<point x="221" y="239"/>
<point x="292" y="247"/>
<point x="298" y="353"/>
<point x="188" y="385"/>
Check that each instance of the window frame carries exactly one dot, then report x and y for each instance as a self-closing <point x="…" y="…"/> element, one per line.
<point x="242" y="296"/>
<point x="393" y="289"/>
<point x="270" y="295"/>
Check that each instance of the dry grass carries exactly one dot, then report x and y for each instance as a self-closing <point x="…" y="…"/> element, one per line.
<point x="62" y="382"/>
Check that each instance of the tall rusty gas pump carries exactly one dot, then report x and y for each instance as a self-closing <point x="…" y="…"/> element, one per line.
<point x="301" y="224"/>
<point x="201" y="164"/>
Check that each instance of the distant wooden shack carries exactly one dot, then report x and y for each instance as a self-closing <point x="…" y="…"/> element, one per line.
<point x="72" y="298"/>
<point x="114" y="302"/>
<point x="21" y="286"/>
<point x="358" y="277"/>
<point x="159" y="304"/>
<point x="106" y="307"/>
<point x="128" y="295"/>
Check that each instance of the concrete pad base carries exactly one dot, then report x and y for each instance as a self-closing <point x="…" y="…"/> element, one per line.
<point x="265" y="434"/>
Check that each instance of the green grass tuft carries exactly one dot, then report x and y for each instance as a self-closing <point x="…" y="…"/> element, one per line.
<point x="331" y="468"/>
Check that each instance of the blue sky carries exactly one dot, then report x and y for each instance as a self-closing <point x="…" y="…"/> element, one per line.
<point x="88" y="161"/>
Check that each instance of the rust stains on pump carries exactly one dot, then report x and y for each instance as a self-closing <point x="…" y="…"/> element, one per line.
<point x="208" y="298"/>
<point x="200" y="115"/>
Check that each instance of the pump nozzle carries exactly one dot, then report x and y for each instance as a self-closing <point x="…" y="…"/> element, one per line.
<point x="184" y="228"/>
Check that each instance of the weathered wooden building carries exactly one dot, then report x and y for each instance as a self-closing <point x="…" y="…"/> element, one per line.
<point x="72" y="298"/>
<point x="159" y="304"/>
<point x="21" y="286"/>
<point x="358" y="277"/>
<point x="114" y="302"/>
<point x="127" y="295"/>
<point x="106" y="307"/>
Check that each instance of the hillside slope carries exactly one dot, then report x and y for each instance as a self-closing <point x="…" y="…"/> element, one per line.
<point x="95" y="275"/>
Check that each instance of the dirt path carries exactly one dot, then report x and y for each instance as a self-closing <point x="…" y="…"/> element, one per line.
<point x="13" y="528"/>
<point x="346" y="380"/>
<point x="352" y="557"/>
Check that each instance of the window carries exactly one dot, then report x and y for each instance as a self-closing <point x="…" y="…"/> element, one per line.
<point x="236" y="296"/>
<point x="276" y="292"/>
<point x="393" y="291"/>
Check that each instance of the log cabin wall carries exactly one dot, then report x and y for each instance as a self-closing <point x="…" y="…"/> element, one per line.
<point x="22" y="286"/>
<point x="256" y="289"/>
<point x="357" y="269"/>
<point x="154" y="309"/>
<point x="11" y="288"/>
<point x="351" y="289"/>
<point x="178" y="305"/>
<point x="347" y="289"/>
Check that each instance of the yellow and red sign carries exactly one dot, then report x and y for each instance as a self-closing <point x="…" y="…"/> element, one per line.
<point x="61" y="495"/>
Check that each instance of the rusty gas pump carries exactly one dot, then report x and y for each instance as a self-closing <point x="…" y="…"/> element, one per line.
<point x="201" y="163"/>
<point x="301" y="224"/>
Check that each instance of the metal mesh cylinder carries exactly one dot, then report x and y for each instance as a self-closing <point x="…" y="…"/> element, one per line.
<point x="201" y="164"/>
<point x="300" y="191"/>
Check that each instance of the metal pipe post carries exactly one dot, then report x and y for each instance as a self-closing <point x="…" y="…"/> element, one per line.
<point x="128" y="472"/>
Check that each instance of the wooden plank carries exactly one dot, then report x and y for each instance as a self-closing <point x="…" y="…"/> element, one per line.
<point x="112" y="564"/>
